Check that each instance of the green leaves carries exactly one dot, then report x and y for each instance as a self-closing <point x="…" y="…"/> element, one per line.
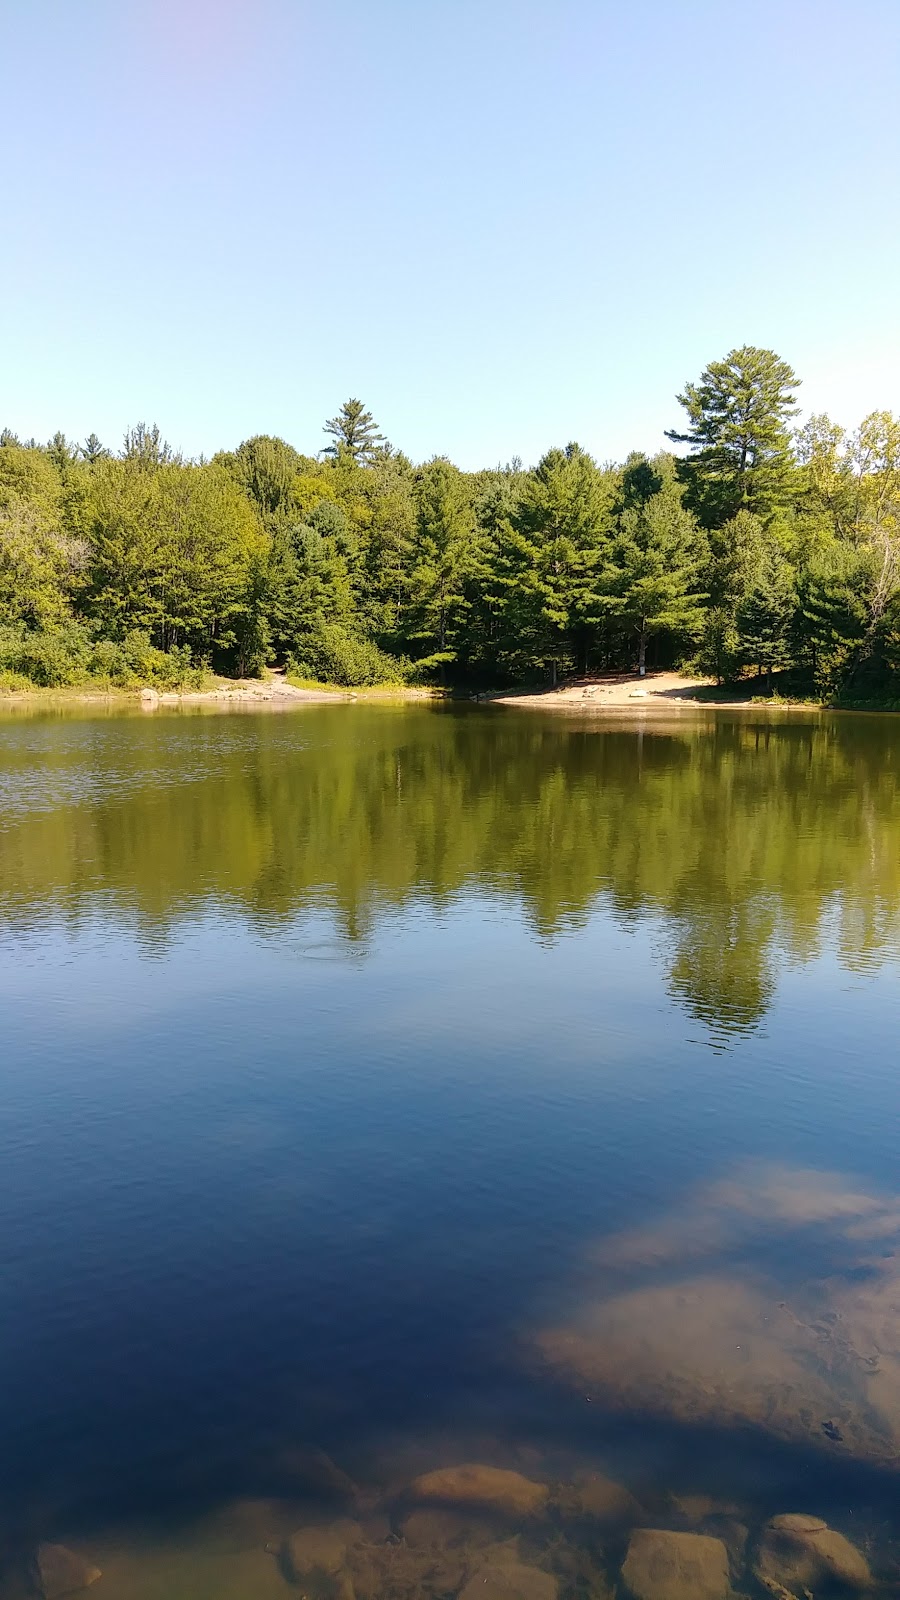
<point x="171" y="552"/>
<point x="755" y="550"/>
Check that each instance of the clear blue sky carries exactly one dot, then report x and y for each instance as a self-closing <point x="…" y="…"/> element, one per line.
<point x="503" y="224"/>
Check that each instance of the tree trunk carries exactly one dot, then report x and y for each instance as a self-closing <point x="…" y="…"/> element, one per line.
<point x="642" y="654"/>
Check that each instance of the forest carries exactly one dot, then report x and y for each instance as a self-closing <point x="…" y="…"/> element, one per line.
<point x="753" y="549"/>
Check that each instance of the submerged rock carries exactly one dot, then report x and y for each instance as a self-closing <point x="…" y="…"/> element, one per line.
<point x="675" y="1566"/>
<point x="602" y="1500"/>
<point x="316" y="1558"/>
<point x="61" y="1571"/>
<point x="476" y="1485"/>
<point x="802" y="1552"/>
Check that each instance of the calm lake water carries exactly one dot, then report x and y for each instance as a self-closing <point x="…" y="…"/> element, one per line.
<point x="429" y="1085"/>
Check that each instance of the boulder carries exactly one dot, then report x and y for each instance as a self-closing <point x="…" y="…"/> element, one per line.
<point x="601" y="1500"/>
<point x="312" y="1556"/>
<point x="61" y="1571"/>
<point x="510" y="1580"/>
<point x="802" y="1552"/>
<point x="490" y="1487"/>
<point x="675" y="1566"/>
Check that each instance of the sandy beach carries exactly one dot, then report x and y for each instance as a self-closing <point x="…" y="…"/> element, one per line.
<point x="626" y="690"/>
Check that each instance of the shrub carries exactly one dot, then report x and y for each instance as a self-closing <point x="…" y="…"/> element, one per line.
<point x="59" y="658"/>
<point x="50" y="659"/>
<point x="330" y="654"/>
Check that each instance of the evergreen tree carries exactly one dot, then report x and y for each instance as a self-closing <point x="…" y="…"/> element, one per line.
<point x="832" y="614"/>
<point x="439" y="559"/>
<point x="734" y="554"/>
<point x="740" y="446"/>
<point x="309" y="579"/>
<point x="61" y="453"/>
<point x="385" y="502"/>
<point x="496" y="497"/>
<point x="92" y="450"/>
<point x="550" y="558"/>
<point x="765" y="614"/>
<point x="652" y="582"/>
<point x="354" y="433"/>
<point x="144" y="448"/>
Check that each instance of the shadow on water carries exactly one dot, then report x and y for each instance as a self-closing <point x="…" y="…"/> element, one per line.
<point x="354" y="1105"/>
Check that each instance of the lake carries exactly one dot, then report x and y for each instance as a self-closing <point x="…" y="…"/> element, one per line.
<point x="394" y="1087"/>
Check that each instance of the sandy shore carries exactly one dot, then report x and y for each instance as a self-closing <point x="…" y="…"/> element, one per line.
<point x="626" y="690"/>
<point x="248" y="691"/>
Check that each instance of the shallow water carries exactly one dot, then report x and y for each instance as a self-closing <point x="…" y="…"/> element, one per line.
<point x="435" y="1085"/>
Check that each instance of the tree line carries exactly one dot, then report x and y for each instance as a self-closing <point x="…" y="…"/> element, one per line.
<point x="756" y="547"/>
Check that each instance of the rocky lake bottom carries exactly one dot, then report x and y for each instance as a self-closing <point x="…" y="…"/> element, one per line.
<point x="474" y="1531"/>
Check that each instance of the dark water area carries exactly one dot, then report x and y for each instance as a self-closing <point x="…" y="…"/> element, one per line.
<point x="388" y="1088"/>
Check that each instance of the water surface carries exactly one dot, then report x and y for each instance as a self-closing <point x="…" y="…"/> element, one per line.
<point x="424" y="1085"/>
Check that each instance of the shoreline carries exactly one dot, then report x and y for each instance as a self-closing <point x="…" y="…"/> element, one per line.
<point x="274" y="693"/>
<point x="611" y="693"/>
<point x="627" y="691"/>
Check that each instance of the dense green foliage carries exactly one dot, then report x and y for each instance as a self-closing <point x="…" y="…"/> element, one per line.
<point x="758" y="550"/>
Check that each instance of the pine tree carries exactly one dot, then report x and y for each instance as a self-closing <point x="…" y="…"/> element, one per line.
<point x="765" y="614"/>
<point x="435" y="584"/>
<point x="652" y="582"/>
<point x="92" y="450"/>
<point x="144" y="448"/>
<point x="61" y="453"/>
<point x="740" y="447"/>
<point x="355" y="433"/>
<point x="550" y="558"/>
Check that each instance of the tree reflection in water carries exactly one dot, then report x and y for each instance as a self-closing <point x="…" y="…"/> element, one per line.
<point x="745" y="837"/>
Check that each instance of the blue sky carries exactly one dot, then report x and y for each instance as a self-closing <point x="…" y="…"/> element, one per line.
<point x="502" y="225"/>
